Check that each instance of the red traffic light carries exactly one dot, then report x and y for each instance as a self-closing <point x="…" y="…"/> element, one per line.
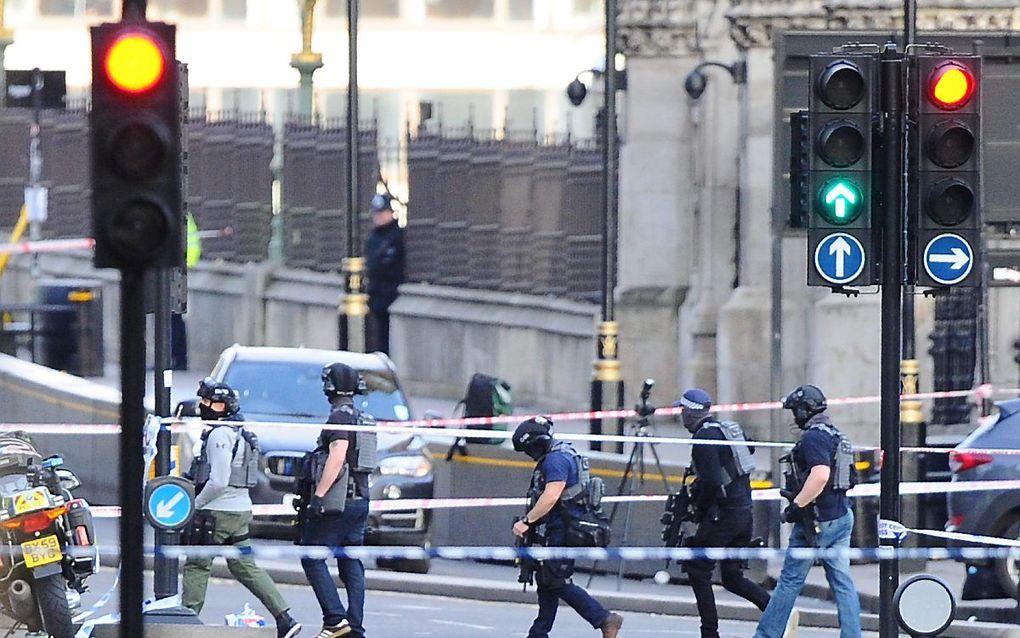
<point x="951" y="85"/>
<point x="135" y="62"/>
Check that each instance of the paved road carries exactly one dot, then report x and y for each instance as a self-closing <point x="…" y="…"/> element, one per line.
<point x="392" y="615"/>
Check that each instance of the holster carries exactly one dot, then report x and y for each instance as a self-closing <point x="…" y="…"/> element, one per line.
<point x="201" y="530"/>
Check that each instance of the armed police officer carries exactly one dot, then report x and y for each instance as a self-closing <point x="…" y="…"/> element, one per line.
<point x="336" y="509"/>
<point x="722" y="506"/>
<point x="558" y="489"/>
<point x="224" y="469"/>
<point x="822" y="472"/>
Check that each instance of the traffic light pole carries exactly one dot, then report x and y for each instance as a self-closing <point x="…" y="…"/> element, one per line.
<point x="892" y="101"/>
<point x="132" y="466"/>
<point x="164" y="569"/>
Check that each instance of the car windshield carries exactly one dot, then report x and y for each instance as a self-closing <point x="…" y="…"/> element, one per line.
<point x="287" y="388"/>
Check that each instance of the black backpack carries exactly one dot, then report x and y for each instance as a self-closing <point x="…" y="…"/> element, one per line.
<point x="486" y="396"/>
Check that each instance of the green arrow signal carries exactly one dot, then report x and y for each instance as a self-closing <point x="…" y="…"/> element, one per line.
<point x="840" y="201"/>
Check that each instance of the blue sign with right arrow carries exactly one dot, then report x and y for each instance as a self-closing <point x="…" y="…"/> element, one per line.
<point x="948" y="259"/>
<point x="839" y="258"/>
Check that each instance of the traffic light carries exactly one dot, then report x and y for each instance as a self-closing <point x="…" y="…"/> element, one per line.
<point x="946" y="104"/>
<point x="135" y="146"/>
<point x="843" y="102"/>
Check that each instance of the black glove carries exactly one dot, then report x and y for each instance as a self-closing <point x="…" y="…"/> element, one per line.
<point x="787" y="494"/>
<point x="794" y="513"/>
<point x="315" y="507"/>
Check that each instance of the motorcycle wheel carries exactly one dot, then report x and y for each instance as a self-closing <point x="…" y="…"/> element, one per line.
<point x="51" y="598"/>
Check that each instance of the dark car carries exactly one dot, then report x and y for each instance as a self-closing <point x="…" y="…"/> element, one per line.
<point x="995" y="512"/>
<point x="285" y="385"/>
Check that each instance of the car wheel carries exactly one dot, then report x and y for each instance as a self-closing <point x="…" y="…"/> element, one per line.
<point x="1007" y="570"/>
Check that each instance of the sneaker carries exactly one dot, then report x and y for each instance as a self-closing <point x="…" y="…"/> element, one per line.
<point x="611" y="626"/>
<point x="335" y="631"/>
<point x="287" y="627"/>
<point x="792" y="624"/>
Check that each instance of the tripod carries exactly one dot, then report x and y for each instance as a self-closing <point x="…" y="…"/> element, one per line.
<point x="634" y="472"/>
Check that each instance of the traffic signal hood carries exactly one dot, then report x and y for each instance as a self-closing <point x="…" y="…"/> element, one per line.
<point x="135" y="141"/>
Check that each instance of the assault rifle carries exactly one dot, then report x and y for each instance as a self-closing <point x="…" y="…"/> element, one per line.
<point x="528" y="566"/>
<point x="794" y="483"/>
<point x="679" y="510"/>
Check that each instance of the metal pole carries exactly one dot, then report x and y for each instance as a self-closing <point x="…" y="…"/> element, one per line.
<point x="892" y="281"/>
<point x="607" y="369"/>
<point x="134" y="10"/>
<point x="354" y="304"/>
<point x="132" y="422"/>
<point x="164" y="569"/>
<point x="35" y="162"/>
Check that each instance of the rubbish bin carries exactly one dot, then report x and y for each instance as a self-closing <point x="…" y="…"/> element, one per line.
<point x="71" y="340"/>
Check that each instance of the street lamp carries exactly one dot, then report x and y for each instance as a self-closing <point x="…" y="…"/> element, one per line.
<point x="696" y="81"/>
<point x="577" y="90"/>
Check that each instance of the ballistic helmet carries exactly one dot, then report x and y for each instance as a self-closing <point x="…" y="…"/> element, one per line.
<point x="534" y="437"/>
<point x="215" y="392"/>
<point x="694" y="404"/>
<point x="805" y="402"/>
<point x="340" y="379"/>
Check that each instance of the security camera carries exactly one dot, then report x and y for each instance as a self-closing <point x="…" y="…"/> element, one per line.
<point x="576" y="92"/>
<point x="695" y="84"/>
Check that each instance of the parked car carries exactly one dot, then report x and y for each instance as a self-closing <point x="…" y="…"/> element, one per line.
<point x="989" y="513"/>
<point x="285" y="385"/>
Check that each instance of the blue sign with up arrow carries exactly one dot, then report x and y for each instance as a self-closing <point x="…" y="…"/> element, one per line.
<point x="169" y="503"/>
<point x="839" y="258"/>
<point x="948" y="259"/>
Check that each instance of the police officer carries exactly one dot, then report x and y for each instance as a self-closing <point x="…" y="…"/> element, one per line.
<point x="722" y="506"/>
<point x="556" y="476"/>
<point x="820" y="513"/>
<point x="337" y="511"/>
<point x="384" y="256"/>
<point x="227" y="464"/>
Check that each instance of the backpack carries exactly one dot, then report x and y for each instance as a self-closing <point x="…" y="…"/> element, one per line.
<point x="243" y="475"/>
<point x="488" y="396"/>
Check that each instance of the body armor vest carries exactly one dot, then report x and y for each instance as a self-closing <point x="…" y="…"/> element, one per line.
<point x="363" y="460"/>
<point x="742" y="462"/>
<point x="244" y="461"/>
<point x="844" y="474"/>
<point x="587" y="492"/>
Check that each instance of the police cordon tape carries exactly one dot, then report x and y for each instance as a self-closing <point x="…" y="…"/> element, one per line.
<point x="509" y="553"/>
<point x="48" y="246"/>
<point x="398" y="505"/>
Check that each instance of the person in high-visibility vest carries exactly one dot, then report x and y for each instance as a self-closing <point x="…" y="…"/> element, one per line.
<point x="178" y="330"/>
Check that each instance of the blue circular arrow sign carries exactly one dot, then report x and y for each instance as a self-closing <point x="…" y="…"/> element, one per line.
<point x="839" y="258"/>
<point x="948" y="259"/>
<point x="169" y="503"/>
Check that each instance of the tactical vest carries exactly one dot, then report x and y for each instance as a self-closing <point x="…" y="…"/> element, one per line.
<point x="587" y="492"/>
<point x="742" y="462"/>
<point x="244" y="467"/>
<point x="364" y="460"/>
<point x="844" y="474"/>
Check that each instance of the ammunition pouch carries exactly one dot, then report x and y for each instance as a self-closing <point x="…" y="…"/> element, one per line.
<point x="201" y="530"/>
<point x="590" y="529"/>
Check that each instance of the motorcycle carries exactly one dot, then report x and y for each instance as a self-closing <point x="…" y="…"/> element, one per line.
<point x="47" y="542"/>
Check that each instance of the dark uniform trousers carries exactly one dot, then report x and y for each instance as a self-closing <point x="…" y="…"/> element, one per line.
<point x="554" y="585"/>
<point x="732" y="528"/>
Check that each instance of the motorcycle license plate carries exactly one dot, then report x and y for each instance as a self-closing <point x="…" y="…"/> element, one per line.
<point x="41" y="552"/>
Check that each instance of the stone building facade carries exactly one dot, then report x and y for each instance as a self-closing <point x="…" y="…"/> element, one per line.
<point x="696" y="211"/>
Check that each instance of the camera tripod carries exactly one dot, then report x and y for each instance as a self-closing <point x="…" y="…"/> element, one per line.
<point x="634" y="472"/>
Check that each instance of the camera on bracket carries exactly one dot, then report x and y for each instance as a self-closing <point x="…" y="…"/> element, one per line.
<point x="643" y="409"/>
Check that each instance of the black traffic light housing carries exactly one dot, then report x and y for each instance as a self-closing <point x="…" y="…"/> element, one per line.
<point x="945" y="103"/>
<point x="838" y="142"/>
<point x="137" y="215"/>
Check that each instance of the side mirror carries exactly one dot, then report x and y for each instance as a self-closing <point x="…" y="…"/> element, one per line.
<point x="68" y="479"/>
<point x="188" y="407"/>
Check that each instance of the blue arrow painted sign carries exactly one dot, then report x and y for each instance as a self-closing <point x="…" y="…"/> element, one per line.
<point x="948" y="259"/>
<point x="169" y="505"/>
<point x="839" y="258"/>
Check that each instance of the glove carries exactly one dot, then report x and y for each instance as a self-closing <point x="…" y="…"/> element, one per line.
<point x="315" y="507"/>
<point x="794" y="513"/>
<point x="787" y="494"/>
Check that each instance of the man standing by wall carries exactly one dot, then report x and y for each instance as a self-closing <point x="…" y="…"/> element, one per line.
<point x="384" y="254"/>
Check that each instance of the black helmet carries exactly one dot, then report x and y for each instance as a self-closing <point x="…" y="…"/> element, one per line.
<point x="805" y="402"/>
<point x="534" y="437"/>
<point x="340" y="379"/>
<point x="217" y="391"/>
